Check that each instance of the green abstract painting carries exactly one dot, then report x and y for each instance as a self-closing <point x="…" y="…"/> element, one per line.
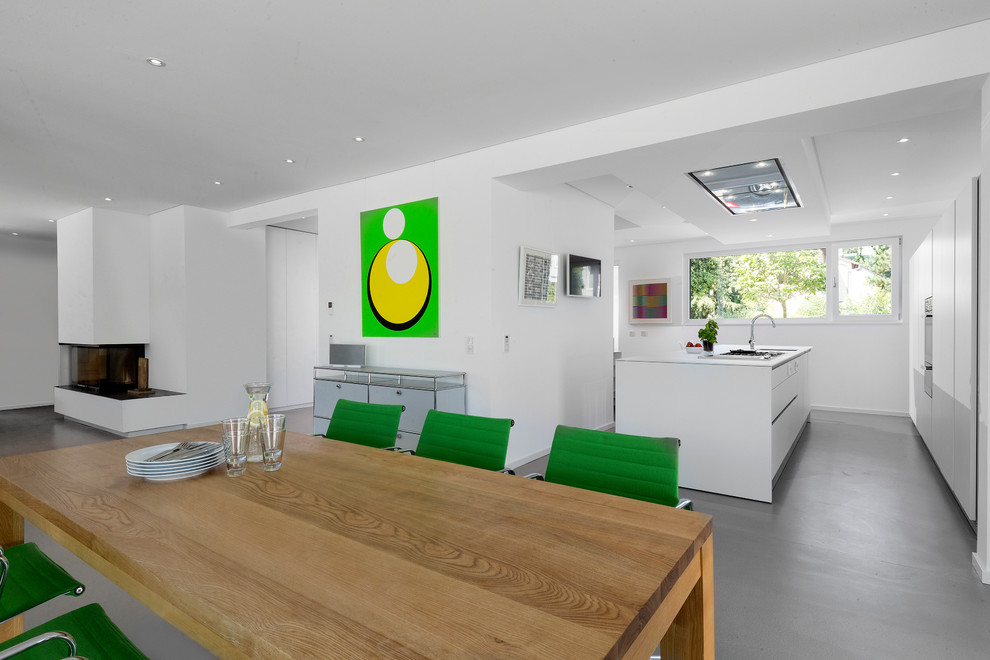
<point x="400" y="289"/>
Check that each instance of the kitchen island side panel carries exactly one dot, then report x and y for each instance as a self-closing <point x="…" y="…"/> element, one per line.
<point x="721" y="413"/>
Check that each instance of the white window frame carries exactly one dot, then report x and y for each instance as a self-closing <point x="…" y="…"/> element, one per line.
<point x="832" y="249"/>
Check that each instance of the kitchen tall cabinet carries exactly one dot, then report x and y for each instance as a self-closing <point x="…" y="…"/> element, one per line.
<point x="944" y="267"/>
<point x="418" y="390"/>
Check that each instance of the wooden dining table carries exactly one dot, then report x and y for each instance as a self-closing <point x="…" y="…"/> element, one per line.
<point x="353" y="552"/>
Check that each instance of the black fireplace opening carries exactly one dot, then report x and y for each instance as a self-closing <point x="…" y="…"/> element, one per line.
<point x="104" y="368"/>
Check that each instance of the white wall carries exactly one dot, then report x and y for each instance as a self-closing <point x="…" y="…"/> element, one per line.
<point x="209" y="311"/>
<point x="29" y="354"/>
<point x="854" y="366"/>
<point x="103" y="278"/>
<point x="541" y="381"/>
<point x="559" y="366"/>
<point x="293" y="316"/>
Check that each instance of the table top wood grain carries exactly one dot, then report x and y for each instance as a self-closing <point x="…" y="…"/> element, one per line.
<point x="349" y="551"/>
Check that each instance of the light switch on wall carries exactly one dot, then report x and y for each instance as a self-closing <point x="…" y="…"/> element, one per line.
<point x="469" y="344"/>
<point x="330" y="309"/>
<point x="505" y="344"/>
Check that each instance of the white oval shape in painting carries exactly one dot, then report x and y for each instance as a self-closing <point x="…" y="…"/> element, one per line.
<point x="394" y="223"/>
<point x="400" y="263"/>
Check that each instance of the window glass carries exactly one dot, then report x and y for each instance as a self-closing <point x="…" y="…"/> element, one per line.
<point x="785" y="284"/>
<point x="864" y="283"/>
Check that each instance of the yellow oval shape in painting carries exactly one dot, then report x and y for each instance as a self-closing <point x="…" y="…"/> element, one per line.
<point x="398" y="305"/>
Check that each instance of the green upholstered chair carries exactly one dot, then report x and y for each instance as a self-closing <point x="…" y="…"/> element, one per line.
<point x="480" y="442"/>
<point x="634" y="466"/>
<point x="368" y="424"/>
<point x="28" y="577"/>
<point x="87" y="631"/>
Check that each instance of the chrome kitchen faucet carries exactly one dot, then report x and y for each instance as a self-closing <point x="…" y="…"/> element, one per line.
<point x="752" y="329"/>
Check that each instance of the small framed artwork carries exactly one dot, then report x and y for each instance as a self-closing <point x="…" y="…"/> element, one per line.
<point x="537" y="277"/>
<point x="648" y="301"/>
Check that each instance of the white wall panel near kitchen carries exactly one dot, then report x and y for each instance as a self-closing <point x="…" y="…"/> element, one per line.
<point x="943" y="335"/>
<point x="963" y="475"/>
<point x="293" y="316"/>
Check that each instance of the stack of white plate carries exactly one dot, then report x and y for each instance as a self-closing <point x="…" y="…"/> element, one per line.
<point x="201" y="458"/>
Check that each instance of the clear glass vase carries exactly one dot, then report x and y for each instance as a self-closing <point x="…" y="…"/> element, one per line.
<point x="257" y="410"/>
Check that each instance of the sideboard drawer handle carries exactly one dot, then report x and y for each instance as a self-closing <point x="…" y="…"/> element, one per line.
<point x="338" y="386"/>
<point x="398" y="393"/>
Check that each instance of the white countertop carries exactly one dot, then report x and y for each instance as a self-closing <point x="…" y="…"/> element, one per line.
<point x="683" y="357"/>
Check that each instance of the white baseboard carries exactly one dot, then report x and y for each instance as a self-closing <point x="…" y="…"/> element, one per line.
<point x="858" y="411"/>
<point x="28" y="405"/>
<point x="982" y="571"/>
<point x="528" y="459"/>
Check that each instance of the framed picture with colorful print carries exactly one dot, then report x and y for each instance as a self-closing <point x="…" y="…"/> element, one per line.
<point x="400" y="288"/>
<point x="648" y="301"/>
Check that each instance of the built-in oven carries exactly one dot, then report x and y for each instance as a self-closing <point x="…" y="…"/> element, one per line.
<point x="928" y="346"/>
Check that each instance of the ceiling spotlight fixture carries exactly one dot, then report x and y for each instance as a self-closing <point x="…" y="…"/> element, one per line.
<point x="52" y="220"/>
<point x="289" y="161"/>
<point x="154" y="61"/>
<point x="629" y="186"/>
<point x="632" y="240"/>
<point x="749" y="187"/>
<point x="14" y="233"/>
<point x="752" y="219"/>
<point x="890" y="197"/>
<point x="217" y="183"/>
<point x="769" y="235"/>
<point x="904" y="139"/>
<point x="885" y="214"/>
<point x="107" y="199"/>
<point x="895" y="174"/>
<point x="358" y="138"/>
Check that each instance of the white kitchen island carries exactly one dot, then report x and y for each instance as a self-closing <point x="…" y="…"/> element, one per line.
<point x="738" y="419"/>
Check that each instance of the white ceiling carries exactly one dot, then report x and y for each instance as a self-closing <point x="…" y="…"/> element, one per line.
<point x="249" y="83"/>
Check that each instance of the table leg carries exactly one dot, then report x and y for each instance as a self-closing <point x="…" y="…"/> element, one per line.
<point x="692" y="634"/>
<point x="11" y="533"/>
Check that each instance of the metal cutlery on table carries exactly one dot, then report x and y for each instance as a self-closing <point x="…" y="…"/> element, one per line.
<point x="182" y="450"/>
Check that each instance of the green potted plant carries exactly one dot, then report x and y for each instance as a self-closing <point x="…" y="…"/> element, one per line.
<point x="708" y="335"/>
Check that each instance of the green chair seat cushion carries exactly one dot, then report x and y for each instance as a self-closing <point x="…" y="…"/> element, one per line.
<point x="472" y="440"/>
<point x="368" y="424"/>
<point x="33" y="579"/>
<point x="640" y="467"/>
<point x="97" y="637"/>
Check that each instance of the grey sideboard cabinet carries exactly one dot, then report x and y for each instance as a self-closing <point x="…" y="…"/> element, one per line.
<point x="419" y="390"/>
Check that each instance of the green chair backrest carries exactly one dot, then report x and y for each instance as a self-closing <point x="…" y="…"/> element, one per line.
<point x="634" y="466"/>
<point x="368" y="424"/>
<point x="480" y="442"/>
<point x="33" y="578"/>
<point x="96" y="637"/>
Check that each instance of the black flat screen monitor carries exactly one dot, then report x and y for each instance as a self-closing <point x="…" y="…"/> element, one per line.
<point x="584" y="276"/>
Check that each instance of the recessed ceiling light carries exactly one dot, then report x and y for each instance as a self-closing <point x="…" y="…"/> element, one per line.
<point x="217" y="183"/>
<point x="885" y="214"/>
<point x="895" y="174"/>
<point x="358" y="138"/>
<point x="769" y="235"/>
<point x="289" y="161"/>
<point x="761" y="164"/>
<point x="707" y="173"/>
<point x="752" y="219"/>
<point x="52" y="220"/>
<point x="154" y="61"/>
<point x="629" y="186"/>
<point x="904" y="139"/>
<point x="890" y="197"/>
<point x="632" y="240"/>
<point x="107" y="199"/>
<point x="14" y="233"/>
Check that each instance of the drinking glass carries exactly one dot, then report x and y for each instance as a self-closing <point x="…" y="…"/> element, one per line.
<point x="272" y="440"/>
<point x="236" y="433"/>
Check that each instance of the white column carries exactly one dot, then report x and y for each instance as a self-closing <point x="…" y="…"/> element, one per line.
<point x="981" y="561"/>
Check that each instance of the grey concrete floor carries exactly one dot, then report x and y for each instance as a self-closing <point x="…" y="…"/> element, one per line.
<point x="863" y="553"/>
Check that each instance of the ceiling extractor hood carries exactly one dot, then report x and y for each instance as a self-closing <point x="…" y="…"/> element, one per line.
<point x="749" y="187"/>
